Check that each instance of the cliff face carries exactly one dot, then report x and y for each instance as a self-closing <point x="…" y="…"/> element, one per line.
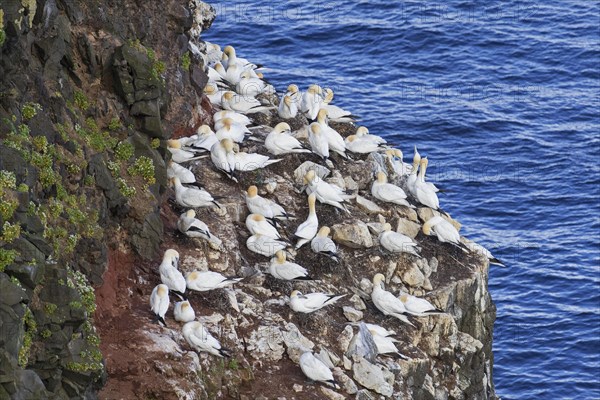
<point x="89" y="93"/>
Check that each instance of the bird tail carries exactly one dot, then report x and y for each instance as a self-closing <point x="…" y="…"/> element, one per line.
<point x="179" y="294"/>
<point x="223" y="352"/>
<point x="495" y="261"/>
<point x="162" y="321"/>
<point x="334" y="384"/>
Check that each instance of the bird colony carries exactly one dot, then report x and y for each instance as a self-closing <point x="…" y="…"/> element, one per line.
<point x="241" y="98"/>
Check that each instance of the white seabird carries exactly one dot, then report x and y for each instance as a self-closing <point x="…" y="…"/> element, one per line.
<point x="246" y="162"/>
<point x="362" y="133"/>
<point x="264" y="245"/>
<point x="418" y="306"/>
<point x="307" y="303"/>
<point x="170" y="275"/>
<point x="227" y="128"/>
<point x="285" y="270"/>
<point x="386" y="345"/>
<point x="235" y="102"/>
<point x="315" y="369"/>
<point x="395" y="158"/>
<point x="235" y="116"/>
<point x="356" y="145"/>
<point x="213" y="93"/>
<point x="325" y="192"/>
<point x="192" y="197"/>
<point x="336" y="113"/>
<point x="444" y="231"/>
<point x="203" y="140"/>
<point x="334" y="139"/>
<point x="308" y="229"/>
<point x="203" y="281"/>
<point x="424" y="193"/>
<point x="312" y="101"/>
<point x="184" y="312"/>
<point x="386" y="302"/>
<point x="317" y="140"/>
<point x="201" y="340"/>
<point x="280" y="141"/>
<point x="397" y="242"/>
<point x="176" y="170"/>
<point x="258" y="224"/>
<point x="178" y="154"/>
<point x="322" y="244"/>
<point x="387" y="192"/>
<point x="265" y="207"/>
<point x="159" y="302"/>
<point x="191" y="226"/>
<point x="223" y="157"/>
<point x="288" y="108"/>
<point x="249" y="86"/>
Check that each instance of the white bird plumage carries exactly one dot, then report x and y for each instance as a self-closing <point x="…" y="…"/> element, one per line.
<point x="170" y="275"/>
<point x="192" y="197"/>
<point x="397" y="242"/>
<point x="264" y="245"/>
<point x="325" y="192"/>
<point x="308" y="229"/>
<point x="310" y="302"/>
<point x="265" y="207"/>
<point x="258" y="224"/>
<point x="322" y="244"/>
<point x="386" y="302"/>
<point x="418" y="306"/>
<point x="201" y="340"/>
<point x="387" y="192"/>
<point x="316" y="369"/>
<point x="279" y="141"/>
<point x="159" y="302"/>
<point x="202" y="281"/>
<point x="183" y="311"/>
<point x="285" y="270"/>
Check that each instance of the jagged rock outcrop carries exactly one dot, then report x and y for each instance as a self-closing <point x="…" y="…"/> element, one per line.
<point x="89" y="93"/>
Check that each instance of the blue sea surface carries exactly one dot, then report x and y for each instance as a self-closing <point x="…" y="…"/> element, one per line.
<point x="504" y="99"/>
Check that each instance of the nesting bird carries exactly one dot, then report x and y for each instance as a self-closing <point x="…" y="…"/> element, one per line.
<point x="170" y="275"/>
<point x="265" y="207"/>
<point x="325" y="192"/>
<point x="444" y="231"/>
<point x="223" y="157"/>
<point x="191" y="226"/>
<point x="285" y="270"/>
<point x="264" y="245"/>
<point x="203" y="281"/>
<point x="201" y="340"/>
<point x="176" y="170"/>
<point x="386" y="302"/>
<point x="279" y="141"/>
<point x="192" y="197"/>
<point x="322" y="244"/>
<point x="258" y="224"/>
<point x="396" y="242"/>
<point x="308" y="229"/>
<point x="307" y="303"/>
<point x="318" y="142"/>
<point x="387" y="192"/>
<point x="418" y="306"/>
<point x="159" y="302"/>
<point x="183" y="312"/>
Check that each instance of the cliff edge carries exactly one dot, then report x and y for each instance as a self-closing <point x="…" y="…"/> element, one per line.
<point x="89" y="94"/>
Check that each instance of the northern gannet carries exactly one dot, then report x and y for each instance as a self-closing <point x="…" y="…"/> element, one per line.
<point x="317" y="140"/>
<point x="201" y="340"/>
<point x="424" y="171"/>
<point x="192" y="197"/>
<point x="227" y="128"/>
<point x="246" y="162"/>
<point x="159" y="302"/>
<point x="213" y="93"/>
<point x="322" y="244"/>
<point x="396" y="242"/>
<point x="418" y="306"/>
<point x="412" y="178"/>
<point x="444" y="231"/>
<point x="380" y="330"/>
<point x="386" y="345"/>
<point x="265" y="207"/>
<point x="203" y="140"/>
<point x="230" y="55"/>
<point x="249" y="86"/>
<point x="424" y="193"/>
<point x="288" y="108"/>
<point x="170" y="275"/>
<point x="213" y="52"/>
<point x="308" y="229"/>
<point x="257" y="224"/>
<point x="356" y="145"/>
<point x="395" y="158"/>
<point x="312" y="101"/>
<point x="264" y="245"/>
<point x="334" y="139"/>
<point x="336" y="113"/>
<point x="386" y="302"/>
<point x="191" y="226"/>
<point x="280" y="268"/>
<point x="184" y="312"/>
<point x="387" y="192"/>
<point x="315" y="369"/>
<point x="325" y="192"/>
<point x="202" y="281"/>
<point x="235" y="102"/>
<point x="307" y="303"/>
<point x="235" y="116"/>
<point x="178" y="154"/>
<point x="223" y="157"/>
<point x="279" y="141"/>
<point x="362" y="133"/>
<point x="181" y="172"/>
<point x="479" y="249"/>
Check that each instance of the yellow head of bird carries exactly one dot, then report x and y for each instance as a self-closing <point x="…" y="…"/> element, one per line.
<point x="381" y="177"/>
<point x="312" y="200"/>
<point x="351" y="138"/>
<point x="387" y="227"/>
<point x="287" y="100"/>
<point x="227" y="144"/>
<point x="174" y="144"/>
<point x="210" y="88"/>
<point x="295" y="293"/>
<point x="361" y="131"/>
<point x="315" y="128"/>
<point x="324" y="231"/>
<point x="292" y="88"/>
<point x="252" y="191"/>
<point x="378" y="279"/>
<point x="190" y="213"/>
<point x="162" y="290"/>
<point x="280" y="255"/>
<point x="322" y="115"/>
<point x="309" y="176"/>
<point x="204" y="130"/>
<point x="228" y="96"/>
<point x="258" y="217"/>
<point x="282" y="126"/>
<point x="185" y="305"/>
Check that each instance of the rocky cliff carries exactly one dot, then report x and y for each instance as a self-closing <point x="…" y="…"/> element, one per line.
<point x="88" y="95"/>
